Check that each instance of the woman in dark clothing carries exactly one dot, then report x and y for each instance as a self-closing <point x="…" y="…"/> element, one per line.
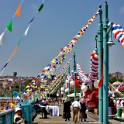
<point x="83" y="114"/>
<point x="66" y="110"/>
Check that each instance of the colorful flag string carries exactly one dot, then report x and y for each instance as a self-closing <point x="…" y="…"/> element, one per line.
<point x="48" y="71"/>
<point x="10" y="24"/>
<point x="21" y="39"/>
<point x="82" y="75"/>
<point x="50" y="68"/>
<point x="57" y="77"/>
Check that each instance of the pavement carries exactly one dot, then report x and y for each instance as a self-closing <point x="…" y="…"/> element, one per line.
<point x="91" y="119"/>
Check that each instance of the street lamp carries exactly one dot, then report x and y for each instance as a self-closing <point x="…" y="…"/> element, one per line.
<point x="100" y="61"/>
<point x="106" y="44"/>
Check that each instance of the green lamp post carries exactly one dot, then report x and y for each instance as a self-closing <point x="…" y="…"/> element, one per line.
<point x="106" y="43"/>
<point x="100" y="62"/>
<point x="74" y="76"/>
<point x="106" y="67"/>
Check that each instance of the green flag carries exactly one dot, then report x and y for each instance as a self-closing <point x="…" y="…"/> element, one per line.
<point x="40" y="8"/>
<point x="9" y="26"/>
<point x="20" y="41"/>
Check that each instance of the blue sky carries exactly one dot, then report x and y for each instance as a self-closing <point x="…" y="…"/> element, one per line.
<point x="52" y="29"/>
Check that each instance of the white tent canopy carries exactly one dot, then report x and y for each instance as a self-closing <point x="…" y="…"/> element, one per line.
<point x="116" y="83"/>
<point x="72" y="95"/>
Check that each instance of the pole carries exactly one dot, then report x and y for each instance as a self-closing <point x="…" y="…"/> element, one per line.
<point x="64" y="87"/>
<point x="100" y="62"/>
<point x="69" y="84"/>
<point x="106" y="66"/>
<point x="74" y="77"/>
<point x="60" y="95"/>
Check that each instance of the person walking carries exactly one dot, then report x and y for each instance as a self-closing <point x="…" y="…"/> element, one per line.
<point x="83" y="114"/>
<point x="66" y="110"/>
<point x="75" y="106"/>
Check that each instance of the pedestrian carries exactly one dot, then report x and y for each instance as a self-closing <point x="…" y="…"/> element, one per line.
<point x="41" y="107"/>
<point x="66" y="110"/>
<point x="83" y="114"/>
<point x="75" y="107"/>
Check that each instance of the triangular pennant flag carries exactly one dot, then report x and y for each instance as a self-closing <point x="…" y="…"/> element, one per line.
<point x="1" y="37"/>
<point x="20" y="42"/>
<point x="4" y="65"/>
<point x="31" y="20"/>
<point x="40" y="8"/>
<point x="9" y="26"/>
<point x="18" y="11"/>
<point x="27" y="30"/>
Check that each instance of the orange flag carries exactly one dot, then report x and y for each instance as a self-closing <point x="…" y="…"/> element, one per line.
<point x="18" y="10"/>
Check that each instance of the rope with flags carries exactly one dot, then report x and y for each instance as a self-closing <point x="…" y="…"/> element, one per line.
<point x="10" y="24"/>
<point x="81" y="74"/>
<point x="21" y="39"/>
<point x="57" y="77"/>
<point x="63" y="53"/>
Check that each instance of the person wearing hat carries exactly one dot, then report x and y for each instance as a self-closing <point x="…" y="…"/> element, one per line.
<point x="18" y="119"/>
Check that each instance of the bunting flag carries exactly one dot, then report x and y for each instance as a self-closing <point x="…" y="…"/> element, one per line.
<point x="62" y="55"/>
<point x="18" y="11"/>
<point x="118" y="33"/>
<point x="81" y="74"/>
<point x="9" y="27"/>
<point x="94" y="67"/>
<point x="1" y="37"/>
<point x="40" y="7"/>
<point x="48" y="71"/>
<point x="26" y="31"/>
<point x="63" y="70"/>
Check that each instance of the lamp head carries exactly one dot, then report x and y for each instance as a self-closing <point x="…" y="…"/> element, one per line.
<point x="110" y="43"/>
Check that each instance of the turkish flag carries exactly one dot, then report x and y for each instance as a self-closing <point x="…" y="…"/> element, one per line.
<point x="101" y="81"/>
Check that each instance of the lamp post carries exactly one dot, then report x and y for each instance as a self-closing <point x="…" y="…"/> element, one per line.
<point x="106" y="43"/>
<point x="74" y="77"/>
<point x="100" y="62"/>
<point x="69" y="84"/>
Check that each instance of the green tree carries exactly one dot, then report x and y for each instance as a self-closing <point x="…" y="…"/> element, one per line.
<point x="112" y="80"/>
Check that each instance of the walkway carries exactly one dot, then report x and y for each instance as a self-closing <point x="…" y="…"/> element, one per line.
<point x="60" y="120"/>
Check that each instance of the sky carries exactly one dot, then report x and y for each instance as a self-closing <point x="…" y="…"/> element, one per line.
<point x="52" y="29"/>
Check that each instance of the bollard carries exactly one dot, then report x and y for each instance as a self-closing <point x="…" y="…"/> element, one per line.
<point x="118" y="112"/>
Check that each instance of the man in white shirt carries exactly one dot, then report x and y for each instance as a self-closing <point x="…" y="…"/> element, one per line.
<point x="75" y="107"/>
